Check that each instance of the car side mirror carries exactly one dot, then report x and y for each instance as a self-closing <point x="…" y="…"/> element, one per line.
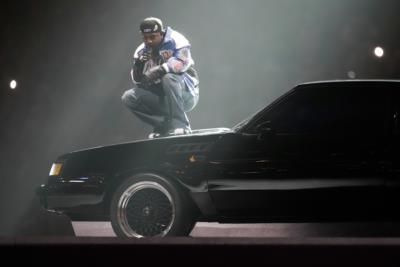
<point x="265" y="130"/>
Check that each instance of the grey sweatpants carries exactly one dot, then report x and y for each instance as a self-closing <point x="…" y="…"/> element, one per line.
<point x="165" y="103"/>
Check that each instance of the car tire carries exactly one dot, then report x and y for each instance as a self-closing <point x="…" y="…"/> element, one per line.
<point x="149" y="205"/>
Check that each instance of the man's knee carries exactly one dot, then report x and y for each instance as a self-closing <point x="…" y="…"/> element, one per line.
<point x="173" y="84"/>
<point x="130" y="99"/>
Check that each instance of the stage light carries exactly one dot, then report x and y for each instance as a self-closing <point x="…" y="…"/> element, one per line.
<point x="13" y="84"/>
<point x="351" y="74"/>
<point x="379" y="52"/>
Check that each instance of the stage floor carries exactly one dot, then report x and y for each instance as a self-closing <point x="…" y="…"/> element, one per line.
<point x="281" y="230"/>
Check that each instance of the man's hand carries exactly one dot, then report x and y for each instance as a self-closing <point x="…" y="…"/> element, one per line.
<point x="153" y="74"/>
<point x="146" y="56"/>
<point x="145" y="83"/>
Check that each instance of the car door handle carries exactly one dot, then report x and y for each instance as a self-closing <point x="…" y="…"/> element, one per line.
<point x="336" y="154"/>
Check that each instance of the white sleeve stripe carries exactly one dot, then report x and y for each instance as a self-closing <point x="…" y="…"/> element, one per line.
<point x="165" y="67"/>
<point x="140" y="47"/>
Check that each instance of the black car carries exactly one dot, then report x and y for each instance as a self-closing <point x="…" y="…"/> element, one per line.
<point x="324" y="151"/>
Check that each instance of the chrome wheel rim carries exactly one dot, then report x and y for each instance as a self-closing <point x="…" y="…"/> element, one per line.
<point x="145" y="209"/>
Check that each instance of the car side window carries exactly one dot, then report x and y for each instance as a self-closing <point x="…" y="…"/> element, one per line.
<point x="342" y="111"/>
<point x="306" y="111"/>
<point x="363" y="111"/>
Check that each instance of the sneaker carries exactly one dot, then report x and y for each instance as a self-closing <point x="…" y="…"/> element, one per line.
<point x="155" y="135"/>
<point x="159" y="131"/>
<point x="180" y="131"/>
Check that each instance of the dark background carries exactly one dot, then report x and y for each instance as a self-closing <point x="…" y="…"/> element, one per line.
<point x="71" y="60"/>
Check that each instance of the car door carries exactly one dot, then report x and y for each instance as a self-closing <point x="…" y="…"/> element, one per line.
<point x="298" y="160"/>
<point x="343" y="130"/>
<point x="354" y="184"/>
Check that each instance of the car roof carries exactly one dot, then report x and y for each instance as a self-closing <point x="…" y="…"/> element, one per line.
<point x="350" y="82"/>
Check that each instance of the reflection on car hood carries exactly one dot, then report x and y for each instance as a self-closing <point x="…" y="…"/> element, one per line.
<point x="211" y="131"/>
<point x="198" y="132"/>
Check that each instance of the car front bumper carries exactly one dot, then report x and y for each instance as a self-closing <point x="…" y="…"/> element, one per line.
<point x="81" y="201"/>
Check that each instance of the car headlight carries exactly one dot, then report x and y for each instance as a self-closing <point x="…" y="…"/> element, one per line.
<point x="55" y="169"/>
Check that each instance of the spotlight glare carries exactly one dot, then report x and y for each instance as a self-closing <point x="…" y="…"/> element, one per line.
<point x="379" y="52"/>
<point x="13" y="84"/>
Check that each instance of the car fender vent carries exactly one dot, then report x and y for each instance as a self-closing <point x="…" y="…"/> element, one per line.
<point x="188" y="148"/>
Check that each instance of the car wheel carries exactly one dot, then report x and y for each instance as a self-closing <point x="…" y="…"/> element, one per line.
<point x="148" y="205"/>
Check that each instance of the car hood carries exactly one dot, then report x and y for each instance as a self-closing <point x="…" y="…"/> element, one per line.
<point x="199" y="135"/>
